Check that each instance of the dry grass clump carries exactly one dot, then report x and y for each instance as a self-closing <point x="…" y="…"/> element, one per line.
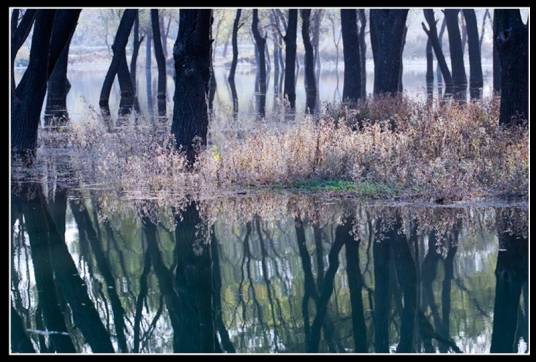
<point x="447" y="151"/>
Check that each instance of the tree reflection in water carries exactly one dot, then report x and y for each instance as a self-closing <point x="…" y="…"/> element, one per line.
<point x="265" y="273"/>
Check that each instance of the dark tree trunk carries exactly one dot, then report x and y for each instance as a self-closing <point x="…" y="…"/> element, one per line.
<point x="192" y="72"/>
<point x="401" y="71"/>
<point x="436" y="45"/>
<point x="512" y="45"/>
<point x="260" y="45"/>
<point x="52" y="31"/>
<point x="429" y="70"/>
<point x="161" y="63"/>
<point x="19" y="33"/>
<point x="476" y="81"/>
<point x="57" y="88"/>
<point x="310" y="83"/>
<point x="386" y="37"/>
<point x="234" y="41"/>
<point x="511" y="274"/>
<point x="277" y="56"/>
<point x="134" y="59"/>
<point x="363" y="52"/>
<point x="351" y="91"/>
<point x="317" y="22"/>
<point x="290" y="58"/>
<point x="459" y="79"/>
<point x="148" y="73"/>
<point x="119" y="66"/>
<point x="439" y="74"/>
<point x="496" y="61"/>
<point x="212" y="85"/>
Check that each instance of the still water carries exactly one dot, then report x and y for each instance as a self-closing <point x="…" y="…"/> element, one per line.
<point x="86" y="82"/>
<point x="98" y="271"/>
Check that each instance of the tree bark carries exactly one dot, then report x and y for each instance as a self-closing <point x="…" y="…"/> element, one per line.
<point x="363" y="52"/>
<point x="476" y="81"/>
<point x="234" y="41"/>
<point x="459" y="79"/>
<point x="260" y="44"/>
<point x="134" y="59"/>
<point x="52" y="31"/>
<point x="351" y="91"/>
<point x="119" y="67"/>
<point x="429" y="70"/>
<point x="436" y="45"/>
<point x="512" y="46"/>
<point x="401" y="71"/>
<point x="148" y="72"/>
<point x="161" y="63"/>
<point x="310" y="84"/>
<point x="57" y="88"/>
<point x="439" y="74"/>
<point x="386" y="36"/>
<point x="290" y="58"/>
<point x="192" y="72"/>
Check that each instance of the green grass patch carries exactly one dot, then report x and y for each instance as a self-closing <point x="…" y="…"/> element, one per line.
<point x="364" y="189"/>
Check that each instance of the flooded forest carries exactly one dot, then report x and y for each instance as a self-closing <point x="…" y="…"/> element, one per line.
<point x="269" y="180"/>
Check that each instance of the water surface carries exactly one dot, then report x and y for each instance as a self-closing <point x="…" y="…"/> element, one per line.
<point x="100" y="271"/>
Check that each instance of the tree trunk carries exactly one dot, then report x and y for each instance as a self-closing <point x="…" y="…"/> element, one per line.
<point x="161" y="63"/>
<point x="386" y="36"/>
<point x="310" y="84"/>
<point x="260" y="44"/>
<point x="436" y="45"/>
<point x="234" y="95"/>
<point x="192" y="72"/>
<point x="277" y="56"/>
<point x="439" y="74"/>
<point x="496" y="61"/>
<point x="52" y="31"/>
<point x="57" y="88"/>
<point x="351" y="91"/>
<point x="401" y="71"/>
<point x="148" y="73"/>
<point x="512" y="46"/>
<point x="119" y="67"/>
<point x="459" y="79"/>
<point x="134" y="59"/>
<point x="429" y="70"/>
<point x="476" y="81"/>
<point x="363" y="52"/>
<point x="317" y="22"/>
<point x="290" y="58"/>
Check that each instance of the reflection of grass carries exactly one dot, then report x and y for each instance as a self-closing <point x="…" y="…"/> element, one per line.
<point x="365" y="189"/>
